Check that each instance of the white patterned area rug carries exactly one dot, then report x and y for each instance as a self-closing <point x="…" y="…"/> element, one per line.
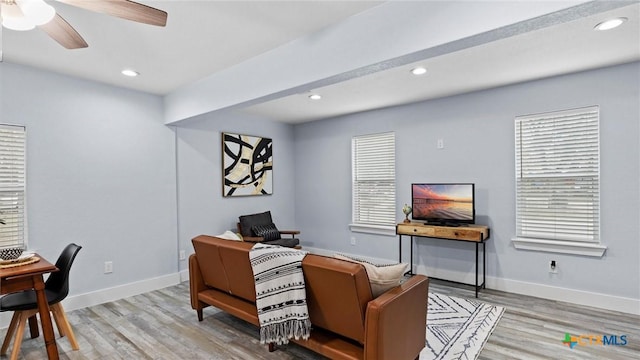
<point x="458" y="328"/>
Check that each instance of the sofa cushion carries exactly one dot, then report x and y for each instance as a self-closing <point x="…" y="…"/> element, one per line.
<point x="229" y="235"/>
<point x="237" y="266"/>
<point x="225" y="265"/>
<point x="381" y="277"/>
<point x="248" y="221"/>
<point x="208" y="254"/>
<point x="338" y="292"/>
<point x="267" y="231"/>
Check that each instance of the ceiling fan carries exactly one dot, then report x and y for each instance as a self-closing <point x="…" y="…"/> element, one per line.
<point x="27" y="14"/>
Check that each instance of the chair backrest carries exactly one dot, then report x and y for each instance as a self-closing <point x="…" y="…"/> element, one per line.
<point x="248" y="221"/>
<point x="58" y="282"/>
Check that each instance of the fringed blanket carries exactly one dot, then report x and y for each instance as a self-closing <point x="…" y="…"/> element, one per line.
<point x="280" y="296"/>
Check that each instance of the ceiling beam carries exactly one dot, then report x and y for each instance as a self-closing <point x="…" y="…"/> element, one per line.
<point x="389" y="35"/>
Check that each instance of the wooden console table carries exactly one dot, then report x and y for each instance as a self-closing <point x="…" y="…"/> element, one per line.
<point x="477" y="234"/>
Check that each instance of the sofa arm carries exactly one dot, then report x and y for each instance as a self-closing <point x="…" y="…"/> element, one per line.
<point x="196" y="285"/>
<point x="395" y="324"/>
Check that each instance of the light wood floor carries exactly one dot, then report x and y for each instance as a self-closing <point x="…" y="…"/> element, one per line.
<point x="162" y="325"/>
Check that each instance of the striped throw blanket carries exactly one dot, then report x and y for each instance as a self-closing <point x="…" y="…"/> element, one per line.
<point x="281" y="299"/>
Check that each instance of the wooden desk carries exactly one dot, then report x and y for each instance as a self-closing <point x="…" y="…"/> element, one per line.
<point x="29" y="277"/>
<point x="477" y="234"/>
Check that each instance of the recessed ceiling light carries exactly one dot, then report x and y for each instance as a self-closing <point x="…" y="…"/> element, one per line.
<point x="129" y="72"/>
<point x="610" y="24"/>
<point x="418" y="71"/>
<point x="315" y="97"/>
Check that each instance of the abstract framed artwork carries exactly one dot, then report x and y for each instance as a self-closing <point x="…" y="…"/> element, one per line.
<point x="247" y="165"/>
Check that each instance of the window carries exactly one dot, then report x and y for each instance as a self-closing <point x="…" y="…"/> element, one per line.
<point x="374" y="183"/>
<point x="557" y="181"/>
<point x="12" y="186"/>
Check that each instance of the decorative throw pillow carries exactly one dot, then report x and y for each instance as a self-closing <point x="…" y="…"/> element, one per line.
<point x="229" y="235"/>
<point x="381" y="277"/>
<point x="268" y="232"/>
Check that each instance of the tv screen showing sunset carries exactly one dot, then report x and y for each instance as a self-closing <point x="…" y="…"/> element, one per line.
<point x="443" y="201"/>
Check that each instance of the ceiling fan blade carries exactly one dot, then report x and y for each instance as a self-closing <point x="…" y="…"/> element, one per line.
<point x="124" y="9"/>
<point x="60" y="30"/>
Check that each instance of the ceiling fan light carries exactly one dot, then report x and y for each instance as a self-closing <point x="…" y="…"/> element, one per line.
<point x="14" y="19"/>
<point x="17" y="24"/>
<point x="37" y="11"/>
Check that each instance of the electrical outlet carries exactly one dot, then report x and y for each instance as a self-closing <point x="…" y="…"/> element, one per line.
<point x="553" y="267"/>
<point x="353" y="240"/>
<point x="108" y="267"/>
<point x="182" y="255"/>
<point x="440" y="144"/>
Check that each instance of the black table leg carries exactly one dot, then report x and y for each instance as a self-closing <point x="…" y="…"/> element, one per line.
<point x="484" y="265"/>
<point x="476" y="270"/>
<point x="411" y="268"/>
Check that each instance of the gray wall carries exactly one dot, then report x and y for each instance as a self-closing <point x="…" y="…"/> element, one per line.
<point x="202" y="209"/>
<point x="100" y="172"/>
<point x="477" y="129"/>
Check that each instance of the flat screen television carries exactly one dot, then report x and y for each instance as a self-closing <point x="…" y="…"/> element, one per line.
<point x="443" y="204"/>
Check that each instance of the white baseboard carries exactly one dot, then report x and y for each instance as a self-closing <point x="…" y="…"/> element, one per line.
<point x="579" y="297"/>
<point x="109" y="294"/>
<point x="184" y="275"/>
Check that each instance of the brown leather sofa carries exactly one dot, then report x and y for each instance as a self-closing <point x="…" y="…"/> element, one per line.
<point x="348" y="323"/>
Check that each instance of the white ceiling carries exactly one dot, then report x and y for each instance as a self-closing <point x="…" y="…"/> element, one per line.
<point x="201" y="38"/>
<point x="204" y="37"/>
<point x="569" y="47"/>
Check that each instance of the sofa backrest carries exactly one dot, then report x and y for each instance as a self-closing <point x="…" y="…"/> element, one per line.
<point x="225" y="265"/>
<point x="337" y="295"/>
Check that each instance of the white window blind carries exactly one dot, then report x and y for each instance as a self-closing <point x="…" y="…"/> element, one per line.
<point x="12" y="186"/>
<point x="557" y="175"/>
<point x="374" y="179"/>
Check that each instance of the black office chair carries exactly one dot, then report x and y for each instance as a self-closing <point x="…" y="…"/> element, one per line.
<point x="24" y="303"/>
